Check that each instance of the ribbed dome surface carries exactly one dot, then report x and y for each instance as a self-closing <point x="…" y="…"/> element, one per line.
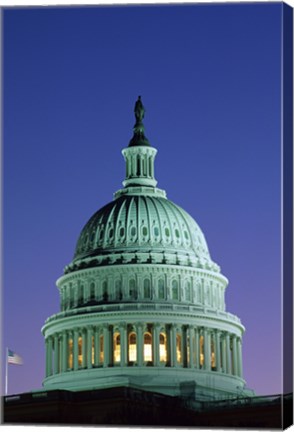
<point x="141" y="222"/>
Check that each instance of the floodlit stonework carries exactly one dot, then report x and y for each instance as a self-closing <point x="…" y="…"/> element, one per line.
<point x="142" y="302"/>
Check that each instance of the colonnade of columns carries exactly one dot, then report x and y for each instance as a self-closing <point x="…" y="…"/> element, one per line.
<point x="143" y="344"/>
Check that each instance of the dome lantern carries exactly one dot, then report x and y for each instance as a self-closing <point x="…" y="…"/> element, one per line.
<point x="139" y="155"/>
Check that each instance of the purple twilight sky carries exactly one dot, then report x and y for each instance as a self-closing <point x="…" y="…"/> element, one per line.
<point x="210" y="80"/>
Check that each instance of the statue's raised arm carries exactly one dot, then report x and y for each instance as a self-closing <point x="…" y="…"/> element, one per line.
<point x="139" y="110"/>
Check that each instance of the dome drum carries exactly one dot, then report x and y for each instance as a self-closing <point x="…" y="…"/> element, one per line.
<point x="144" y="350"/>
<point x="135" y="282"/>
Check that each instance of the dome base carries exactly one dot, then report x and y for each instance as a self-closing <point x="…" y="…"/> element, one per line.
<point x="194" y="384"/>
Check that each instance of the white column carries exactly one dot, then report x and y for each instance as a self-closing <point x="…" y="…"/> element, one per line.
<point x="239" y="349"/>
<point x="155" y="344"/>
<point x="84" y="348"/>
<point x="96" y="346"/>
<point x="123" y="344"/>
<point x="49" y="341"/>
<point x="217" y="351"/>
<point x="64" y="351"/>
<point x="89" y="346"/>
<point x="106" y="345"/>
<point x="174" y="345"/>
<point x="184" y="346"/>
<point x="235" y="358"/>
<point x="140" y="344"/>
<point x="197" y="348"/>
<point x="191" y="346"/>
<point x="223" y="348"/>
<point x="56" y="354"/>
<point x="207" y="350"/>
<point x="228" y="356"/>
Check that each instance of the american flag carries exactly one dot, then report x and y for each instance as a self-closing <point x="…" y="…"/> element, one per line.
<point x="14" y="358"/>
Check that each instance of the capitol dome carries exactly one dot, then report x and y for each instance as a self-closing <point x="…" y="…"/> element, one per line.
<point x="142" y="224"/>
<point x="142" y="302"/>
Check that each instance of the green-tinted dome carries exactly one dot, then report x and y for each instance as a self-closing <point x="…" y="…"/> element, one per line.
<point x="139" y="223"/>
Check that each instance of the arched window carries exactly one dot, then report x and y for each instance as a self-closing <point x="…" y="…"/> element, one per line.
<point x="116" y="347"/>
<point x="162" y="347"/>
<point x="188" y="291"/>
<point x="156" y="231"/>
<point x="147" y="289"/>
<point x="92" y="291"/>
<point x="161" y="294"/>
<point x="147" y="347"/>
<point x="105" y="291"/>
<point x="132" y="289"/>
<point x="132" y="347"/>
<point x="179" y="348"/>
<point x="175" y="290"/>
<point x="118" y="291"/>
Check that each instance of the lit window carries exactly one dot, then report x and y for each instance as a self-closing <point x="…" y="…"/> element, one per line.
<point x="80" y="355"/>
<point x="179" y="348"/>
<point x="213" y="364"/>
<point x="101" y="349"/>
<point x="132" y="347"/>
<point x="70" y="353"/>
<point x="162" y="347"/>
<point x="116" y="347"/>
<point x="201" y="351"/>
<point x="147" y="347"/>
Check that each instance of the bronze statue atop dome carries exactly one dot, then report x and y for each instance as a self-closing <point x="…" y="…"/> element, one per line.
<point x="139" y="138"/>
<point x="139" y="110"/>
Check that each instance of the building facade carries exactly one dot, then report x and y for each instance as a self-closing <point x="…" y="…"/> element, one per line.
<point x="142" y="302"/>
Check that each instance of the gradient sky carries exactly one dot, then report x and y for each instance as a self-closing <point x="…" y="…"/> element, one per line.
<point x="209" y="76"/>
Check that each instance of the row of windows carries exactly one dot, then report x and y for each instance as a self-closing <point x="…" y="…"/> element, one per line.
<point x="182" y="352"/>
<point x="85" y="243"/>
<point x="139" y="166"/>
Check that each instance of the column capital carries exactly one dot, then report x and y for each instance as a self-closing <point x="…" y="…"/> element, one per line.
<point x="122" y="325"/>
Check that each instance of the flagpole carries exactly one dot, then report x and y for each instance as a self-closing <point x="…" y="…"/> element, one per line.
<point x="6" y="374"/>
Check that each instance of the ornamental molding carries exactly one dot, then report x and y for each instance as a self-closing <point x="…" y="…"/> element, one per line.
<point x="208" y="322"/>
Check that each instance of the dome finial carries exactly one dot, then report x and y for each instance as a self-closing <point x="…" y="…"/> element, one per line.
<point x="139" y="138"/>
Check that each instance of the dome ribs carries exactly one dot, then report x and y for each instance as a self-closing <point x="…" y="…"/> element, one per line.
<point x="119" y="223"/>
